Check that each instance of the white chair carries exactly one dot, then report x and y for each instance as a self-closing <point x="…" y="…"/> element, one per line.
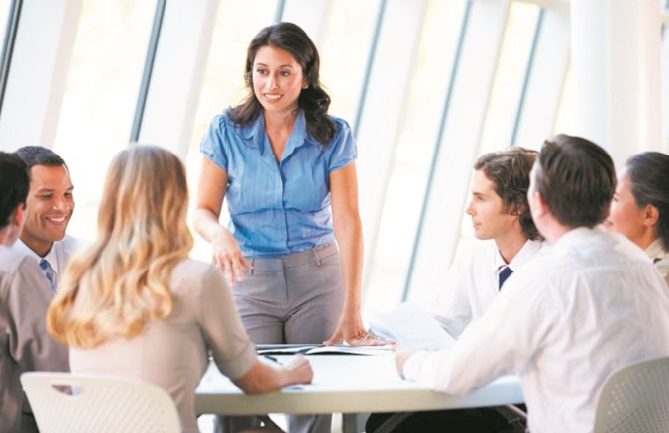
<point x="72" y="403"/>
<point x="635" y="399"/>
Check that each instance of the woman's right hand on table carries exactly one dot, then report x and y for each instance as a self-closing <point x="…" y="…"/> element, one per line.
<point x="300" y="369"/>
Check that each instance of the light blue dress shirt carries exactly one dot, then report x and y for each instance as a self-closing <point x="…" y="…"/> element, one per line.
<point x="277" y="209"/>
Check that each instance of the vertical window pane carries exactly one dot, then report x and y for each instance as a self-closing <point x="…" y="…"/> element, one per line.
<point x="344" y="53"/>
<point x="223" y="85"/>
<point x="100" y="98"/>
<point x="509" y="77"/>
<point x="415" y="150"/>
<point x="664" y="81"/>
<point x="5" y="5"/>
<point x="566" y="120"/>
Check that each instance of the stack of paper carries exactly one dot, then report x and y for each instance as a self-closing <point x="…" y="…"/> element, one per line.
<point x="408" y="325"/>
<point x="315" y="349"/>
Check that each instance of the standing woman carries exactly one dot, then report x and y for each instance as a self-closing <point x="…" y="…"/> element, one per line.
<point x="288" y="172"/>
<point x="293" y="251"/>
<point x="134" y="305"/>
<point x="640" y="207"/>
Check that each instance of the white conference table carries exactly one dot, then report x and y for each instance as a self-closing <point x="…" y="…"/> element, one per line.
<point x="346" y="384"/>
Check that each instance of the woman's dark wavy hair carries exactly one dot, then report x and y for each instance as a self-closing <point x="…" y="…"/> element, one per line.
<point x="313" y="100"/>
<point x="648" y="176"/>
<point x="509" y="170"/>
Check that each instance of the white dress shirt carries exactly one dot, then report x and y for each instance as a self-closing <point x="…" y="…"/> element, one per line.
<point x="472" y="283"/>
<point x="586" y="307"/>
<point x="660" y="258"/>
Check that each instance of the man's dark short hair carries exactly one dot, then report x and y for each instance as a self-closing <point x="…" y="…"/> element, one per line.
<point x="38" y="155"/>
<point x="509" y="171"/>
<point x="14" y="185"/>
<point x="576" y="180"/>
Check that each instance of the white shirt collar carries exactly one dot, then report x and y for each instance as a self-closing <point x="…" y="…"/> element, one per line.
<point x="527" y="252"/>
<point x="50" y="257"/>
<point x="655" y="250"/>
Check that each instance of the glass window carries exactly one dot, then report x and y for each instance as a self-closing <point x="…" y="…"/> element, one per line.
<point x="509" y="77"/>
<point x="566" y="120"/>
<point x="5" y="6"/>
<point x="664" y="81"/>
<point x="223" y="85"/>
<point x="100" y="97"/>
<point x="344" y="53"/>
<point x="388" y="266"/>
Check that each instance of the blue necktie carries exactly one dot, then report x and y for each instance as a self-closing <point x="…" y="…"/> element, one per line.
<point x="503" y="275"/>
<point x="48" y="273"/>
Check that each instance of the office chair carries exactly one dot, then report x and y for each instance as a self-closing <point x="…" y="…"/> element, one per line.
<point x="635" y="399"/>
<point x="72" y="403"/>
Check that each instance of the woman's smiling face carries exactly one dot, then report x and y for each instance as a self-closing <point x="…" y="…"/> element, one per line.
<point x="277" y="79"/>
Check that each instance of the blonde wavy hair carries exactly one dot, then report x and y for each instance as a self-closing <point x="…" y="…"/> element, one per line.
<point x="119" y="283"/>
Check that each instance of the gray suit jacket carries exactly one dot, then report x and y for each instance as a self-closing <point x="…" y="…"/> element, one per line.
<point x="24" y="343"/>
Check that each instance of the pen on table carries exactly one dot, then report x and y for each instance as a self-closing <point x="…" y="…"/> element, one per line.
<point x="273" y="359"/>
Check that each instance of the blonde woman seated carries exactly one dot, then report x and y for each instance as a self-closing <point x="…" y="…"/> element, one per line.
<point x="640" y="207"/>
<point x="134" y="305"/>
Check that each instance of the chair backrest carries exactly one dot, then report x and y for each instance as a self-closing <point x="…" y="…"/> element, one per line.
<point x="635" y="399"/>
<point x="73" y="403"/>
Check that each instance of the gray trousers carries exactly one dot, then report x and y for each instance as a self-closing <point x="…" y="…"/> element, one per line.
<point x="294" y="299"/>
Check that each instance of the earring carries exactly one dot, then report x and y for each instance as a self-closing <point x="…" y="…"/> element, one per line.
<point x="306" y="86"/>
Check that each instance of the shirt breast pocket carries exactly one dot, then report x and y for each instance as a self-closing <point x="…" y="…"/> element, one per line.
<point x="307" y="189"/>
<point x="253" y="188"/>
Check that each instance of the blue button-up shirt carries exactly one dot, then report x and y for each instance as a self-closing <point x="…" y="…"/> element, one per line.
<point x="283" y="208"/>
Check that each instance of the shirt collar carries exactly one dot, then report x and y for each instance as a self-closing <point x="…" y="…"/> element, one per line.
<point x="526" y="253"/>
<point x="299" y="135"/>
<point x="499" y="261"/>
<point x="655" y="250"/>
<point x="254" y="134"/>
<point x="50" y="257"/>
<point x="577" y="235"/>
